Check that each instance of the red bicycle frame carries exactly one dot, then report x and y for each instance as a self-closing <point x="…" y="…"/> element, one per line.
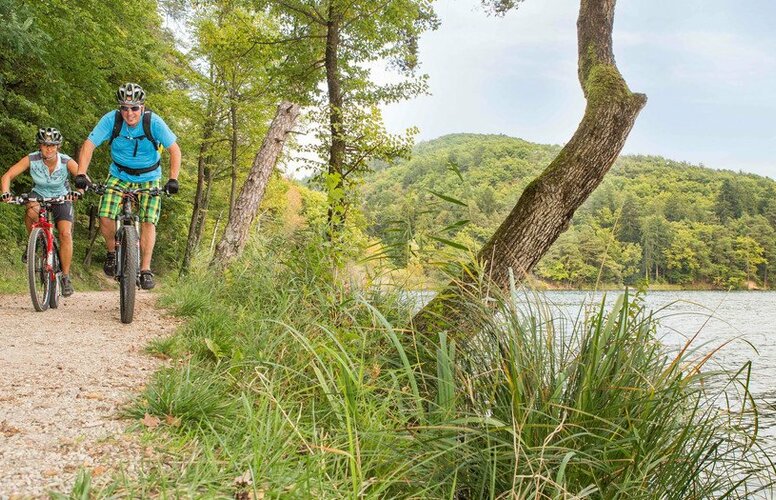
<point x="42" y="259"/>
<point x="48" y="229"/>
<point x="45" y="225"/>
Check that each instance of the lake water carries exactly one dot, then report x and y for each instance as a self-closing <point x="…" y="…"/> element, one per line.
<point x="744" y="323"/>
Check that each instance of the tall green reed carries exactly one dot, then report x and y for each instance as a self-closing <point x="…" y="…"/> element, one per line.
<point x="597" y="407"/>
<point x="308" y="386"/>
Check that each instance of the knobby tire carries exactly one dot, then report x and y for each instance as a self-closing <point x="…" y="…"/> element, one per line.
<point x="37" y="277"/>
<point x="129" y="262"/>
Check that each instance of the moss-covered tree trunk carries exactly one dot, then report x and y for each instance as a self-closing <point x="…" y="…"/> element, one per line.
<point x="247" y="205"/>
<point x="545" y="208"/>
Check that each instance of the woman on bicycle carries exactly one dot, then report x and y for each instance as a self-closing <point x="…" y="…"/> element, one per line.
<point x="48" y="168"/>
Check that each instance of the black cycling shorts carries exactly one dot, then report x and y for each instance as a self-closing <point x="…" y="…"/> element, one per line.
<point x="61" y="211"/>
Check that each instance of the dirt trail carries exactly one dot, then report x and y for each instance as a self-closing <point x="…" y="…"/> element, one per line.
<point x="64" y="375"/>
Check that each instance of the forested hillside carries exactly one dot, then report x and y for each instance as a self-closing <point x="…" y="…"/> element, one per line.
<point x="652" y="220"/>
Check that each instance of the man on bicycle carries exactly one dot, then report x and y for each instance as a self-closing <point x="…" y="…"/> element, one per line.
<point x="49" y="171"/>
<point x="136" y="137"/>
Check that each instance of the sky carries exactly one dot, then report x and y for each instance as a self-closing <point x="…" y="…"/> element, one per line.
<point x="708" y="68"/>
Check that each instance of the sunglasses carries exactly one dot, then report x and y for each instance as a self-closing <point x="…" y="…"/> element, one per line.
<point x="130" y="108"/>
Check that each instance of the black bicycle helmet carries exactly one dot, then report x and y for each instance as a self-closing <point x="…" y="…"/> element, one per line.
<point x="130" y="93"/>
<point x="48" y="136"/>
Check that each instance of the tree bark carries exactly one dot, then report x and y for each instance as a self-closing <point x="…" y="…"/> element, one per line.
<point x="547" y="205"/>
<point x="198" y="213"/>
<point x="209" y="179"/>
<point x="336" y="122"/>
<point x="247" y="205"/>
<point x="233" y="150"/>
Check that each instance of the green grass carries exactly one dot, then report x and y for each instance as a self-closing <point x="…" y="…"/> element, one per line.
<point x="13" y="278"/>
<point x="288" y="382"/>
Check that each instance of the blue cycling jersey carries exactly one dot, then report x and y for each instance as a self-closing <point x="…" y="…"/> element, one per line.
<point x="131" y="148"/>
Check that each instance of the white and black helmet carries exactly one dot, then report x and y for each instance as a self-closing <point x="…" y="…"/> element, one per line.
<point x="48" y="136"/>
<point x="130" y="93"/>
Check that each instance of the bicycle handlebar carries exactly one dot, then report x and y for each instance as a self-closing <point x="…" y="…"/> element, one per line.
<point x="27" y="197"/>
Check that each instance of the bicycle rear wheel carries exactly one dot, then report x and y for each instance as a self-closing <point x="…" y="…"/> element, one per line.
<point x="37" y="276"/>
<point x="129" y="262"/>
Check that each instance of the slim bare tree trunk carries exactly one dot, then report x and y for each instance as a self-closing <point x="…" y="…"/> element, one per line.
<point x="247" y="205"/>
<point x="338" y="146"/>
<point x="197" y="213"/>
<point x="200" y="229"/>
<point x="215" y="230"/>
<point x="233" y="151"/>
<point x="546" y="206"/>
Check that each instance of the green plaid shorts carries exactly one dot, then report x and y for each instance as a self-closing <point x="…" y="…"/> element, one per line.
<point x="148" y="207"/>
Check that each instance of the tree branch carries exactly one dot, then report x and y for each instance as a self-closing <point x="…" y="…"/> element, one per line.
<point x="314" y="16"/>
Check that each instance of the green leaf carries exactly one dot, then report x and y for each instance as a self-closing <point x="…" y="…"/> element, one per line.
<point x="456" y="225"/>
<point x="450" y="243"/>
<point x="448" y="198"/>
<point x="213" y="347"/>
<point x="453" y="167"/>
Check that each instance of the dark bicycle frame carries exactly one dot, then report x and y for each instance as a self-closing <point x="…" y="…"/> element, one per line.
<point x="126" y="218"/>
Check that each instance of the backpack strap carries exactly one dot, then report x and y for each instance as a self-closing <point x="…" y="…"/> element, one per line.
<point x="117" y="122"/>
<point x="147" y="128"/>
<point x="137" y="171"/>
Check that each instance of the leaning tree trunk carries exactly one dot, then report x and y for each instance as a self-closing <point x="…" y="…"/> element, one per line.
<point x="546" y="206"/>
<point x="247" y="205"/>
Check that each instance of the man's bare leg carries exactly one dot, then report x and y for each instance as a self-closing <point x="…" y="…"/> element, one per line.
<point x="108" y="230"/>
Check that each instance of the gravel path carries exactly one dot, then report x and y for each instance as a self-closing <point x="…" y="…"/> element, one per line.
<point x="64" y="375"/>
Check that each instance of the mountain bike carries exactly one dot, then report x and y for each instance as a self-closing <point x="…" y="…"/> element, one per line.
<point x="127" y="246"/>
<point x="44" y="271"/>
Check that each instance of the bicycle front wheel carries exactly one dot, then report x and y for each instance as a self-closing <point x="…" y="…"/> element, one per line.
<point x="37" y="276"/>
<point x="129" y="262"/>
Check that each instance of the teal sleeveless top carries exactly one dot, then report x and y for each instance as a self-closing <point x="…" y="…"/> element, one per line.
<point x="49" y="184"/>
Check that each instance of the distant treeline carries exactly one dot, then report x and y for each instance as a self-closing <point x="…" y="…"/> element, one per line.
<point x="652" y="220"/>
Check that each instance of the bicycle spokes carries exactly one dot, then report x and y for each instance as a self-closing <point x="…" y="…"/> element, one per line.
<point x="38" y="269"/>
